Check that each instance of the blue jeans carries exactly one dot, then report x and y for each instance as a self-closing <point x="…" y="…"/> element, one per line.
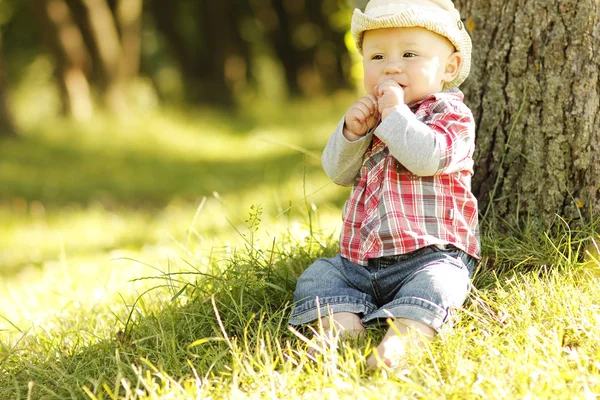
<point x="423" y="286"/>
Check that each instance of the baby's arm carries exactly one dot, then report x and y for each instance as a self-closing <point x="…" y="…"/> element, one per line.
<point x="442" y="145"/>
<point x="361" y="117"/>
<point x="342" y="158"/>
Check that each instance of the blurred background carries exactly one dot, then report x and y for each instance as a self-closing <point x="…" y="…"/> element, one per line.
<point x="153" y="130"/>
<point x="73" y="57"/>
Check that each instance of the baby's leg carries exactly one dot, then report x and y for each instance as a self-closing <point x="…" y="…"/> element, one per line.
<point x="405" y="333"/>
<point x="336" y="326"/>
<point x="344" y="323"/>
<point x="333" y="286"/>
<point x="439" y="283"/>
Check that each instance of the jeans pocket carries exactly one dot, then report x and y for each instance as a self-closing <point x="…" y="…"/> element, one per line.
<point x="469" y="261"/>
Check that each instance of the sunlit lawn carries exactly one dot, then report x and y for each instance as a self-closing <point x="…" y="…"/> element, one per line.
<point x="79" y="202"/>
<point x="155" y="257"/>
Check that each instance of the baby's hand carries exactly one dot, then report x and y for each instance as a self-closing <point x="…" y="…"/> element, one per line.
<point x="361" y="117"/>
<point x="389" y="95"/>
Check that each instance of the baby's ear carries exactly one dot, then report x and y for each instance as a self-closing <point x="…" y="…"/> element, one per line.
<point x="452" y="66"/>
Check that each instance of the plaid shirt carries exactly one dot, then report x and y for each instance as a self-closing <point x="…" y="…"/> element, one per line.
<point x="403" y="197"/>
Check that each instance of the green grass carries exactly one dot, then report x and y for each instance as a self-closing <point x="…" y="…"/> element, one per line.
<point x="156" y="258"/>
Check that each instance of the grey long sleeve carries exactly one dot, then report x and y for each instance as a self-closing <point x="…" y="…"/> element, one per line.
<point x="341" y="158"/>
<point x="414" y="144"/>
<point x="437" y="140"/>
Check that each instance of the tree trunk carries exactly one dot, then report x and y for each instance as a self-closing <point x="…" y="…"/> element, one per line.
<point x="332" y="60"/>
<point x="129" y="20"/>
<point x="280" y="28"/>
<point x="217" y="27"/>
<point x="165" y="16"/>
<point x="313" y="55"/>
<point x="212" y="56"/>
<point x="535" y="94"/>
<point x="103" y="28"/>
<point x="63" y="37"/>
<point x="7" y="126"/>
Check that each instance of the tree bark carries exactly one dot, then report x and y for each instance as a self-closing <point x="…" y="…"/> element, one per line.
<point x="535" y="95"/>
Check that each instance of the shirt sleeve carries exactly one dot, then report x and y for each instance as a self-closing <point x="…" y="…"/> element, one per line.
<point x="342" y="158"/>
<point x="440" y="140"/>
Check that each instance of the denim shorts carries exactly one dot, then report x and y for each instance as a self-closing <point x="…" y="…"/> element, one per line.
<point x="424" y="286"/>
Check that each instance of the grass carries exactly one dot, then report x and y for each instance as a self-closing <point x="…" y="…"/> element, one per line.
<point x="156" y="258"/>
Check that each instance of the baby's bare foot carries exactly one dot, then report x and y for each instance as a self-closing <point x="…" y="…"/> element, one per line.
<point x="331" y="340"/>
<point x="389" y="353"/>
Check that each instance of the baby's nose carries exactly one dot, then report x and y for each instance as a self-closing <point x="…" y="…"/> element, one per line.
<point x="393" y="68"/>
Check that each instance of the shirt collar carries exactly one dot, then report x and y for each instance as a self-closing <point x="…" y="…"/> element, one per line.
<point x="452" y="93"/>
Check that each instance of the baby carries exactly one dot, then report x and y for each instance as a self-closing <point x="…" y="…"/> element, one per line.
<point x="409" y="240"/>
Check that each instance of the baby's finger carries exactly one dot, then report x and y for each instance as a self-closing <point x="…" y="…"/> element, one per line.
<point x="367" y="108"/>
<point x="356" y="121"/>
<point x="372" y="98"/>
<point x="373" y="116"/>
<point x="386" y="85"/>
<point x="373" y="102"/>
<point x="370" y="102"/>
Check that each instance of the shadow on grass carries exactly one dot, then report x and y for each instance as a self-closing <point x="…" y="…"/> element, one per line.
<point x="56" y="175"/>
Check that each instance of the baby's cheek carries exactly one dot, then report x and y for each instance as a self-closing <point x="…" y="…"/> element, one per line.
<point x="370" y="85"/>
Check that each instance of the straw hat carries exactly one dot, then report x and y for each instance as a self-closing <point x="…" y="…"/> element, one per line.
<point x="439" y="16"/>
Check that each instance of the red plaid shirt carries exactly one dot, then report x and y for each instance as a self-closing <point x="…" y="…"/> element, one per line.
<point x="392" y="210"/>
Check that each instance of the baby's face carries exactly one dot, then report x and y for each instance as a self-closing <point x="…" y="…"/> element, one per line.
<point x="416" y="58"/>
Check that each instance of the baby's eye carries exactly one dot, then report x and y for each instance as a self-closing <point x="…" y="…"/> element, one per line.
<point x="377" y="57"/>
<point x="408" y="54"/>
